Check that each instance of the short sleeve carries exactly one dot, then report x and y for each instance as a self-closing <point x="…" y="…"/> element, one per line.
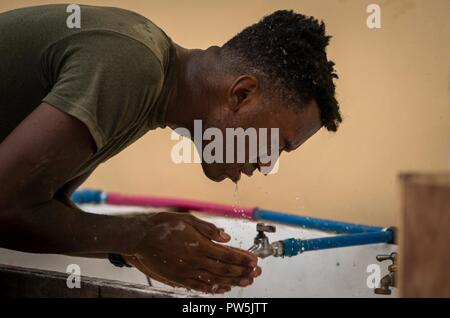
<point x="104" y="79"/>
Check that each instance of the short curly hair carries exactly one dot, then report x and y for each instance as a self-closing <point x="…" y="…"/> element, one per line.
<point x="290" y="49"/>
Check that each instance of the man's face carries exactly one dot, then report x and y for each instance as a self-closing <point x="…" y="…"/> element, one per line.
<point x="294" y="128"/>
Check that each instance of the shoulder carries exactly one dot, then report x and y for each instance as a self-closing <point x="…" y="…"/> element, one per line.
<point x="107" y="80"/>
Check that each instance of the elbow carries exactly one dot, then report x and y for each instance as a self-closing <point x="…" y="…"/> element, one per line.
<point x="10" y="207"/>
<point x="16" y="226"/>
<point x="5" y="206"/>
<point x="6" y="212"/>
<point x="22" y="199"/>
<point x="8" y="199"/>
<point x="8" y="222"/>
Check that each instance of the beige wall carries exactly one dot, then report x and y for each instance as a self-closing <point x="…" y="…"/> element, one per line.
<point x="393" y="88"/>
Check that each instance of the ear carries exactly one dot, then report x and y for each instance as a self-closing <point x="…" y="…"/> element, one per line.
<point x="242" y="90"/>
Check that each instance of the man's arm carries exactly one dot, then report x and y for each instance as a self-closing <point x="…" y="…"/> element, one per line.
<point x="64" y="194"/>
<point x="36" y="160"/>
<point x="45" y="151"/>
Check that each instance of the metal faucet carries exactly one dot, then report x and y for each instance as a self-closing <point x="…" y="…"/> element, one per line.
<point x="390" y="280"/>
<point x="262" y="247"/>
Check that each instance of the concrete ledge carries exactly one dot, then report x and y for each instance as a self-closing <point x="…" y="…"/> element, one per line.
<point x="27" y="282"/>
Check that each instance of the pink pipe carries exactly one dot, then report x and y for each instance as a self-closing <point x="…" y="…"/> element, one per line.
<point x="182" y="205"/>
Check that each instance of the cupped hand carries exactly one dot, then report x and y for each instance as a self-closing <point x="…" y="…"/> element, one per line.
<point x="179" y="249"/>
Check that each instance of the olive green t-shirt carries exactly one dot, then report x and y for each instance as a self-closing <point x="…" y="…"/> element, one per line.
<point x="114" y="73"/>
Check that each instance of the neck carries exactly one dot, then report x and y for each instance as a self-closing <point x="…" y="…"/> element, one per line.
<point x="187" y="99"/>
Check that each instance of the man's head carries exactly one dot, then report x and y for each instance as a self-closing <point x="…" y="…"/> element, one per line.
<point x="273" y="74"/>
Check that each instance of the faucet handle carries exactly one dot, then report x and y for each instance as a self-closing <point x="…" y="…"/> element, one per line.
<point x="262" y="247"/>
<point x="390" y="280"/>
<point x="261" y="227"/>
<point x="392" y="257"/>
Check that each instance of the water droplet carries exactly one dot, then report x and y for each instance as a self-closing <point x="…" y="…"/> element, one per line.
<point x="236" y="199"/>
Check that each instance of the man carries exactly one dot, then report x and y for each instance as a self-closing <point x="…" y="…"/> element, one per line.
<point x="71" y="98"/>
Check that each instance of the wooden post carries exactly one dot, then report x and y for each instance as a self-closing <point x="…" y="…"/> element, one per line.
<point x="425" y="239"/>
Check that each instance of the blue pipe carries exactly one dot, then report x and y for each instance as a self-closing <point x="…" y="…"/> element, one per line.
<point x="89" y="196"/>
<point x="314" y="223"/>
<point x="294" y="246"/>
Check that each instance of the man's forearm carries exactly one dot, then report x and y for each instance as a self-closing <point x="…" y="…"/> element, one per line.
<point x="56" y="228"/>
